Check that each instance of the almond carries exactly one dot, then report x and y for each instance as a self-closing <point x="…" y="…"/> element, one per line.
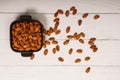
<point x="57" y="24"/>
<point x="90" y="43"/>
<point x="68" y="29"/>
<point x="81" y="41"/>
<point x="45" y="51"/>
<point x="75" y="35"/>
<point x="47" y="42"/>
<point x="70" y="36"/>
<point x="93" y="46"/>
<point x="66" y="42"/>
<point x="92" y="39"/>
<point x="51" y="38"/>
<point x="82" y="34"/>
<point x="56" y="20"/>
<point x="78" y="60"/>
<point x="54" y="42"/>
<point x="85" y="15"/>
<point x="56" y="14"/>
<point x="95" y="49"/>
<point x="57" y="47"/>
<point x="67" y="13"/>
<point x="79" y="51"/>
<point x="70" y="51"/>
<point x="72" y="8"/>
<point x="57" y="32"/>
<point x="60" y="11"/>
<point x="87" y="70"/>
<point x="54" y="50"/>
<point x="87" y="58"/>
<point x="55" y="28"/>
<point x="44" y="45"/>
<point x="96" y="17"/>
<point x="74" y="11"/>
<point x="32" y="56"/>
<point x="79" y="22"/>
<point x="60" y="59"/>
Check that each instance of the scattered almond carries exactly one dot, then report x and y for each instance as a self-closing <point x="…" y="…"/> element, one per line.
<point x="57" y="24"/>
<point x="51" y="38"/>
<point x="67" y="13"/>
<point x="54" y="42"/>
<point x="79" y="51"/>
<point x="93" y="46"/>
<point x="32" y="56"/>
<point x="60" y="59"/>
<point x="56" y="20"/>
<point x="87" y="70"/>
<point x="57" y="47"/>
<point x="74" y="11"/>
<point x="56" y="14"/>
<point x="92" y="39"/>
<point x="72" y="8"/>
<point x="85" y="15"/>
<point x="69" y="36"/>
<point x="79" y="22"/>
<point x="77" y="60"/>
<point x="87" y="58"/>
<point x="60" y="11"/>
<point x="70" y="51"/>
<point x="68" y="29"/>
<point x="66" y="42"/>
<point x="96" y="17"/>
<point x="45" y="51"/>
<point x="47" y="42"/>
<point x="81" y="41"/>
<point x="95" y="49"/>
<point x="55" y="28"/>
<point x="90" y="43"/>
<point x="57" y="32"/>
<point x="54" y="50"/>
<point x="82" y="34"/>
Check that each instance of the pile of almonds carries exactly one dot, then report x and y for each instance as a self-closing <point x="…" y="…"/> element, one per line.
<point x="77" y="36"/>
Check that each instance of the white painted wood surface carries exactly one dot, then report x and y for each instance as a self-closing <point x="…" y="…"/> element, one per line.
<point x="105" y="64"/>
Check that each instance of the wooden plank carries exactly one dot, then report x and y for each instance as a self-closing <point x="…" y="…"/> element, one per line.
<point x="107" y="27"/>
<point x="59" y="73"/>
<point x="107" y="54"/>
<point x="43" y="6"/>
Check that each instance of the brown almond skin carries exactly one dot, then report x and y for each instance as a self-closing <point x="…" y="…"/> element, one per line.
<point x="72" y="8"/>
<point x="44" y="45"/>
<point x="77" y="60"/>
<point x="32" y="56"/>
<point x="87" y="58"/>
<point x="54" y="42"/>
<point x="74" y="11"/>
<point x="57" y="24"/>
<point x="47" y="42"/>
<point x="85" y="15"/>
<point x="67" y="13"/>
<point x="68" y="29"/>
<point x="66" y="42"/>
<point x="56" y="20"/>
<point x="95" y="49"/>
<point x="69" y="36"/>
<point x="96" y="17"/>
<point x="54" y="50"/>
<point x="79" y="51"/>
<point x="57" y="47"/>
<point x="57" y="32"/>
<point x="79" y="22"/>
<point x="93" y="46"/>
<point x="55" y="28"/>
<point x="87" y="70"/>
<point x="56" y="14"/>
<point x="91" y="43"/>
<point x="45" y="51"/>
<point x="60" y="11"/>
<point x="92" y="39"/>
<point x="70" y="51"/>
<point x="75" y="35"/>
<point x="82" y="34"/>
<point x="60" y="59"/>
<point x="81" y="41"/>
<point x="51" y="38"/>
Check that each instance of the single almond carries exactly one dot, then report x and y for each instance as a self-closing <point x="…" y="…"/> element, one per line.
<point x="57" y="47"/>
<point x="90" y="43"/>
<point x="78" y="60"/>
<point x="45" y="51"/>
<point x="70" y="51"/>
<point x="60" y="59"/>
<point x="72" y="8"/>
<point x="54" y="42"/>
<point x="67" y="13"/>
<point x="55" y="28"/>
<point x="92" y="39"/>
<point x="79" y="50"/>
<point x="56" y="14"/>
<point x="96" y="17"/>
<point x="51" y="38"/>
<point x="57" y="32"/>
<point x="95" y="49"/>
<point x="79" y="22"/>
<point x="75" y="35"/>
<point x="56" y="20"/>
<point x="69" y="36"/>
<point x="85" y="15"/>
<point x="74" y="11"/>
<point x="32" y="56"/>
<point x="47" y="42"/>
<point x="68" y="29"/>
<point x="57" y="24"/>
<point x="87" y="58"/>
<point x="82" y="34"/>
<point x="60" y="11"/>
<point x="87" y="70"/>
<point x="81" y="41"/>
<point x="54" y="50"/>
<point x="66" y="42"/>
<point x="93" y="46"/>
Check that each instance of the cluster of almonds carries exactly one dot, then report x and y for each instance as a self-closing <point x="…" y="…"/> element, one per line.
<point x="26" y="36"/>
<point x="77" y="36"/>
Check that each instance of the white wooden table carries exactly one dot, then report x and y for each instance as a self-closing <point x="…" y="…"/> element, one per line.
<point x="105" y="64"/>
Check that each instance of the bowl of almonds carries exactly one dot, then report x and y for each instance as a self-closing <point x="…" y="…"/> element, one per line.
<point x="26" y="35"/>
